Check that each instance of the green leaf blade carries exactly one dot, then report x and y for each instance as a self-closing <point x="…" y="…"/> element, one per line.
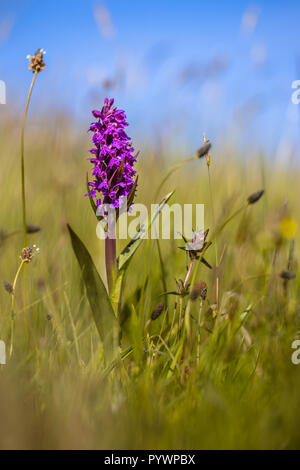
<point x="130" y="249"/>
<point x="98" y="298"/>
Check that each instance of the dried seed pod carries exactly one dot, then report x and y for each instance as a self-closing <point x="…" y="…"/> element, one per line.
<point x="27" y="255"/>
<point x="37" y="63"/>
<point x="287" y="275"/>
<point x="255" y="197"/>
<point x="32" y="228"/>
<point x="199" y="290"/>
<point x="157" y="311"/>
<point x="8" y="287"/>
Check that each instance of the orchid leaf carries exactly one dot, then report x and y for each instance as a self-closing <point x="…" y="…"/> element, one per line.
<point x="115" y="296"/>
<point x="92" y="202"/>
<point x="98" y="298"/>
<point x="130" y="249"/>
<point x="132" y="193"/>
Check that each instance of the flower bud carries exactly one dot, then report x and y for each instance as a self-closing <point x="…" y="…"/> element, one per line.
<point x="255" y="197"/>
<point x="199" y="290"/>
<point x="8" y="287"/>
<point x="157" y="311"/>
<point x="32" y="228"/>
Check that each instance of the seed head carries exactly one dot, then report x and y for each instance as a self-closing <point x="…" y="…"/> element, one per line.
<point x="255" y="197"/>
<point x="207" y="155"/>
<point x="287" y="275"/>
<point x="157" y="311"/>
<point x="183" y="290"/>
<point x="27" y="255"/>
<point x="37" y="63"/>
<point x="204" y="149"/>
<point x="199" y="290"/>
<point x="32" y="228"/>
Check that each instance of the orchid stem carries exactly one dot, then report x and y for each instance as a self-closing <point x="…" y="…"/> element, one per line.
<point x="188" y="274"/>
<point x="13" y="308"/>
<point x="110" y="261"/>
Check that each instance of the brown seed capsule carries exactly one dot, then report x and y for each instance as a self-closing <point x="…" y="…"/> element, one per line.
<point x="255" y="197"/>
<point x="8" y="287"/>
<point x="204" y="149"/>
<point x="32" y="228"/>
<point x="199" y="290"/>
<point x="37" y="63"/>
<point x="157" y="311"/>
<point x="27" y="255"/>
<point x="287" y="275"/>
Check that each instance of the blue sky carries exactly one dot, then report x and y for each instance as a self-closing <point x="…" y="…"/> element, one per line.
<point x="179" y="67"/>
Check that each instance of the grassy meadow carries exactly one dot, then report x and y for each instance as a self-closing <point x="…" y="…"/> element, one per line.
<point x="223" y="380"/>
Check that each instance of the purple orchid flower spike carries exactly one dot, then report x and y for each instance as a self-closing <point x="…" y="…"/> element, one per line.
<point x="113" y="183"/>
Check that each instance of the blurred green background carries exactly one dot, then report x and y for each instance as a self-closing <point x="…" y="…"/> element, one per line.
<point x="230" y="383"/>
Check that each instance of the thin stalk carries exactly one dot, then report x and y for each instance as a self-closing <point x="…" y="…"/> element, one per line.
<point x="289" y="264"/>
<point x="188" y="274"/>
<point x="185" y="283"/>
<point x="22" y="160"/>
<point x="199" y="333"/>
<point x="215" y="238"/>
<point x="110" y="261"/>
<point x="213" y="222"/>
<point x="13" y="308"/>
<point x="75" y="337"/>
<point x="171" y="171"/>
<point x="220" y="228"/>
<point x="173" y="320"/>
<point x="163" y="276"/>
